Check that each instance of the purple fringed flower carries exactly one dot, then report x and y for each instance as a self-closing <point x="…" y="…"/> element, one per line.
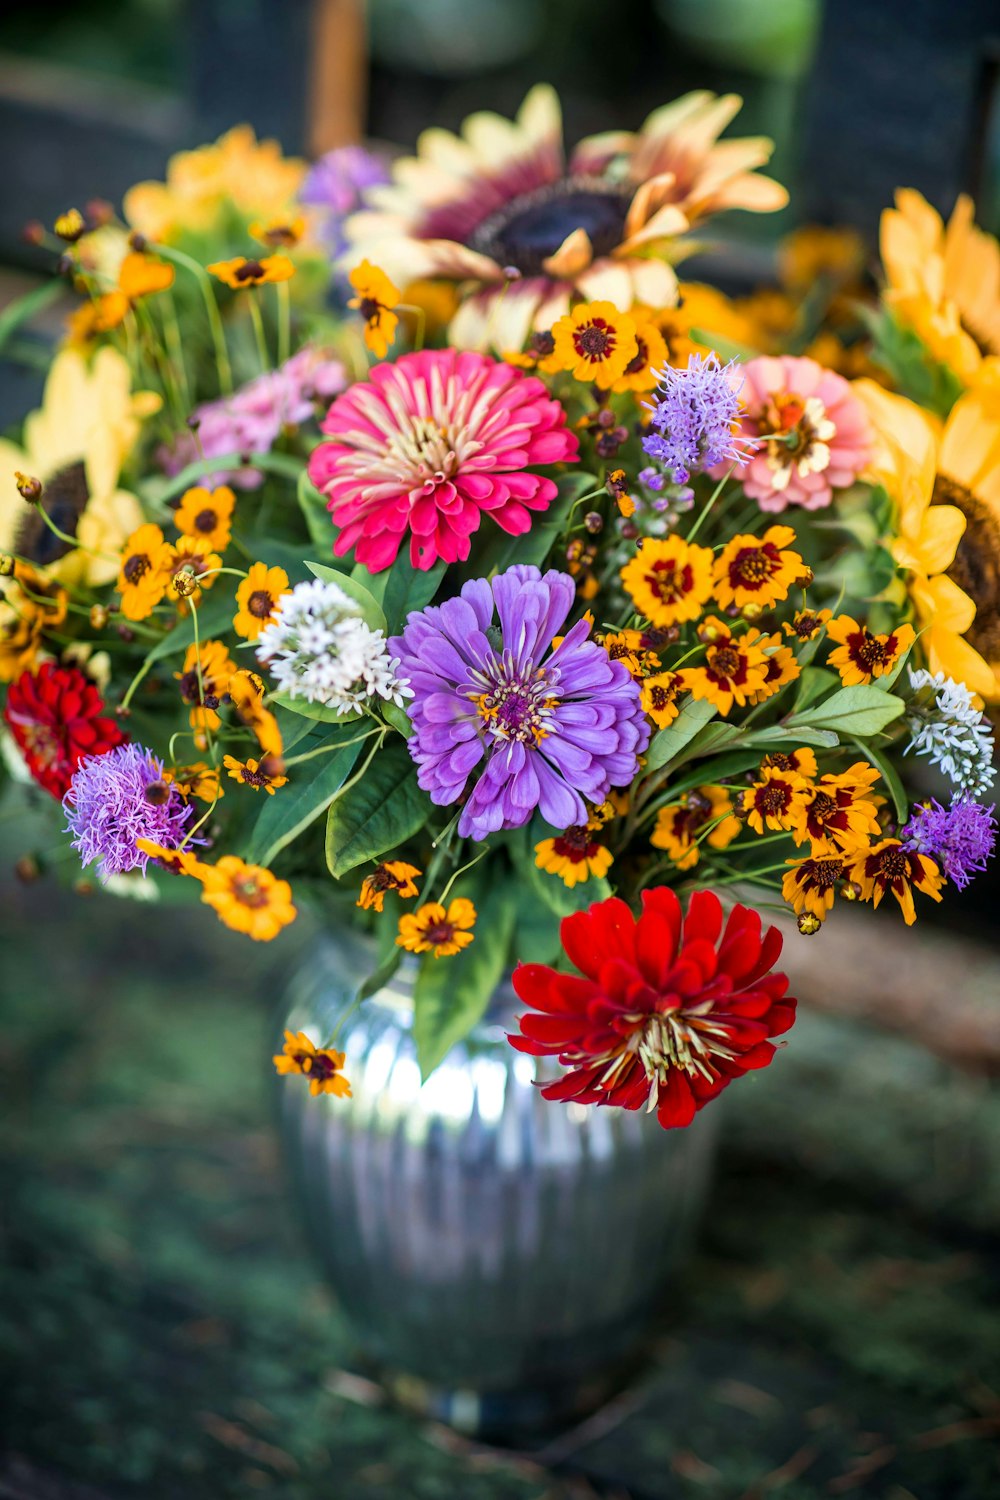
<point x="337" y="183"/>
<point x="252" y="418"/>
<point x="108" y="809"/>
<point x="694" y="417"/>
<point x="547" y="727"/>
<point x="959" y="837"/>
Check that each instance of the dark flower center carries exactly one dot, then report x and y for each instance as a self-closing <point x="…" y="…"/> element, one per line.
<point x="439" y="933"/>
<point x="976" y="568"/>
<point x="205" y="520"/>
<point x="870" y="652"/>
<point x="751" y="566"/>
<point x="823" y="873"/>
<point x="136" y="566"/>
<point x="891" y="865"/>
<point x="773" y="798"/>
<point x="726" y="661"/>
<point x="321" y="1066"/>
<point x="668" y="582"/>
<point x="574" y="843"/>
<point x="822" y="808"/>
<point x="530" y="228"/>
<point x="253" y="778"/>
<point x="260" y="604"/>
<point x="370" y="309"/>
<point x="64" y="499"/>
<point x="640" y="360"/>
<point x="251" y="271"/>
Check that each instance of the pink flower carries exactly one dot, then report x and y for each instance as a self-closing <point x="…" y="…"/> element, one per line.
<point x="428" y="445"/>
<point x="251" y="419"/>
<point x="813" y="433"/>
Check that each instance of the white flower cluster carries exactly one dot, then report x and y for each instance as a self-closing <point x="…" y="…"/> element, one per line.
<point x="946" y="726"/>
<point x="319" y="648"/>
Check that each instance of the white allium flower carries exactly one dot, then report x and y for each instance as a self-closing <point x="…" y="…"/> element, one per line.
<point x="319" y="648"/>
<point x="946" y="726"/>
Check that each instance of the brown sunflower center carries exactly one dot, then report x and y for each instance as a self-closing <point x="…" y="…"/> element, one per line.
<point x="726" y="661"/>
<point x="206" y="520"/>
<point x="531" y="227"/>
<point x="64" y="499"/>
<point x="136" y="567"/>
<point x="260" y="604"/>
<point x="774" y="798"/>
<point x="976" y="568"/>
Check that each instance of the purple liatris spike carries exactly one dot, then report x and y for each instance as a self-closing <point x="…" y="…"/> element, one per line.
<point x="117" y="798"/>
<point x="531" y="725"/>
<point x="959" y="837"/>
<point x="695" y="416"/>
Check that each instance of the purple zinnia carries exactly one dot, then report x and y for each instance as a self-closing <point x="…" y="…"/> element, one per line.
<point x="694" y="417"/>
<point x="549" y="727"/>
<point x="109" y="806"/>
<point x="959" y="837"/>
<point x="337" y="183"/>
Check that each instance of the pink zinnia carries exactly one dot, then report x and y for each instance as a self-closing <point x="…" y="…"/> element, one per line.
<point x="428" y="445"/>
<point x="813" y="433"/>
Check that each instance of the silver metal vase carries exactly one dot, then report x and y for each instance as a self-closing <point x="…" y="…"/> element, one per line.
<point x="501" y="1257"/>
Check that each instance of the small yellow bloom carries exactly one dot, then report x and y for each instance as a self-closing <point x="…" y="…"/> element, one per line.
<point x="669" y="580"/>
<point x="735" y="669"/>
<point x="683" y="826"/>
<point x="30" y="606"/>
<point x="651" y="356"/>
<point x="177" y="861"/>
<point x="862" y="656"/>
<point x="375" y="299"/>
<point x="627" y="647"/>
<point x="780" y="667"/>
<point x="595" y="342"/>
<point x="811" y="883"/>
<point x="659" y="695"/>
<point x="840" y="811"/>
<point x="70" y="225"/>
<point x="188" y="566"/>
<point x="284" y="233"/>
<point x="775" y="802"/>
<point x="247" y="898"/>
<point x="142" y="578"/>
<point x="757" y="570"/>
<point x="257" y="599"/>
<point x="573" y="855"/>
<point x="391" y="875"/>
<point x="539" y="354"/>
<point x="241" y="272"/>
<point x="323" y="1066"/>
<point x="806" y="624"/>
<point x="887" y="867"/>
<point x="432" y="929"/>
<point x="197" y="780"/>
<point x="246" y="691"/>
<point x="204" y="679"/>
<point x="207" y="514"/>
<point x="250" y="773"/>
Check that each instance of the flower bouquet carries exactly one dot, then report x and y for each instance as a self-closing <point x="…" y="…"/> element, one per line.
<point x="407" y="538"/>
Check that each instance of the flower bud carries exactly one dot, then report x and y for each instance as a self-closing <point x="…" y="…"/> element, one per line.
<point x="708" y="634"/>
<point x="511" y="273"/>
<point x="629" y="530"/>
<point x="852" y="891"/>
<point x="272" y="766"/>
<point x="752" y="610"/>
<point x="27" y="869"/>
<point x="185" y="582"/>
<point x="594" y="522"/>
<point x="70" y="225"/>
<point x="28" y="487"/>
<point x="126" y="633"/>
<point x="805" y="578"/>
<point x="98" y="212"/>
<point x="808" y="923"/>
<point x="137" y="242"/>
<point x="98" y="617"/>
<point x="33" y="232"/>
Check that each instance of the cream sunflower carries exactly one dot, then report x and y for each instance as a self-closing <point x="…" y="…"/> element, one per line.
<point x="499" y="209"/>
<point x="76" y="444"/>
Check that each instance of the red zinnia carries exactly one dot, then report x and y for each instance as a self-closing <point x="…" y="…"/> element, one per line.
<point x="664" y="1016"/>
<point x="56" y="715"/>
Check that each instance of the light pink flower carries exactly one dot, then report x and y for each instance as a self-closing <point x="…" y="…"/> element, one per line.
<point x="813" y="433"/>
<point x="427" y="446"/>
<point x="251" y="419"/>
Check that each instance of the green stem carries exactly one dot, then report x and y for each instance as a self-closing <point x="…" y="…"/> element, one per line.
<point x="258" y="329"/>
<point x="284" y="321"/>
<point x="461" y="871"/>
<point x="179" y="258"/>
<point x="298" y="760"/>
<point x="710" y="502"/>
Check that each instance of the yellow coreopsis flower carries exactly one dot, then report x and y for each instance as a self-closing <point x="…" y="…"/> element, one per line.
<point x="76" y="444"/>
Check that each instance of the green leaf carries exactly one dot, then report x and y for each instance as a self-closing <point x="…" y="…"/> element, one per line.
<point x="322" y="713"/>
<point x="813" y="683"/>
<point x="560" y="899"/>
<point x="215" y="615"/>
<point x="398" y="718"/>
<point x="792" y="735"/>
<point x="384" y="809"/>
<point x="536" y="931"/>
<point x="861" y="710"/>
<point x="311" y="788"/>
<point x="885" y="682"/>
<point x="890" y="776"/>
<point x="368" y="606"/>
<point x="668" y="743"/>
<point x="451" y="994"/>
<point x="408" y="588"/>
<point x="23" y="308"/>
<point x="535" y="545"/>
<point x="312" y="503"/>
<point x="380" y="976"/>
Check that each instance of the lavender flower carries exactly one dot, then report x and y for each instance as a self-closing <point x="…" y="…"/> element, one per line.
<point x="543" y="728"/>
<point x="108" y="809"/>
<point x="336" y="184"/>
<point x="695" y="416"/>
<point x="252" y="418"/>
<point x="959" y="837"/>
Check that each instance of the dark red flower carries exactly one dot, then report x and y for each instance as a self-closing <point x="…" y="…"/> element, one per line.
<point x="665" y="1015"/>
<point x="56" y="715"/>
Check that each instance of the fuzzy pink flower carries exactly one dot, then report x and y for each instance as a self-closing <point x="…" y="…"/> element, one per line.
<point x="431" y="443"/>
<point x="813" y="433"/>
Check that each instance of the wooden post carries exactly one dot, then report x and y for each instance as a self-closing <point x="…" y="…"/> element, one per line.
<point x="337" y="76"/>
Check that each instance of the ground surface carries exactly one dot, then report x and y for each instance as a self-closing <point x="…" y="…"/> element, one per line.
<point x="163" y="1332"/>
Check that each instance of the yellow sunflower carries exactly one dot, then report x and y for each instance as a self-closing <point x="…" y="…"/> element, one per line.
<point x="602" y="226"/>
<point x="943" y="281"/>
<point x="76" y="444"/>
<point x="945" y="482"/>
